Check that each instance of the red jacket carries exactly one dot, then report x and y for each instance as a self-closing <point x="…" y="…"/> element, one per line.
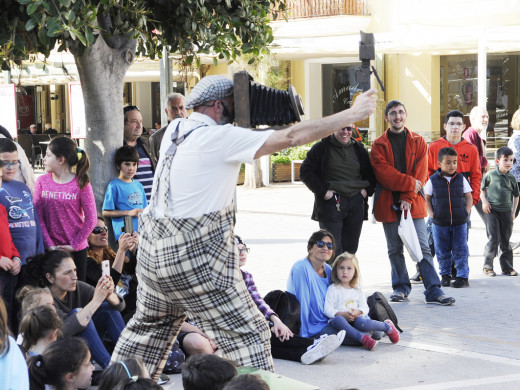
<point x="7" y="247"/>
<point x="390" y="179"/>
<point x="468" y="162"/>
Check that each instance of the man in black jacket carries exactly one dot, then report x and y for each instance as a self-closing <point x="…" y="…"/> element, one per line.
<point x="338" y="171"/>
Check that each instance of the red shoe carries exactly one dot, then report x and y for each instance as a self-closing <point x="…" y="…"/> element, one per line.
<point x="392" y="334"/>
<point x="368" y="342"/>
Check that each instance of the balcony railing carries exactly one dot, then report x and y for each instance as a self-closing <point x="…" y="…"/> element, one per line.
<point x="297" y="9"/>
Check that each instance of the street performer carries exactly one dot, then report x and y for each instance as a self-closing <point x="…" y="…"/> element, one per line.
<point x="187" y="259"/>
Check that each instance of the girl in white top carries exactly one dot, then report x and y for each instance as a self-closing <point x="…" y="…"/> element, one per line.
<point x="346" y="305"/>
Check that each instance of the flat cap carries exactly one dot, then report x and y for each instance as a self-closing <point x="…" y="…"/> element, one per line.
<point x="209" y="88"/>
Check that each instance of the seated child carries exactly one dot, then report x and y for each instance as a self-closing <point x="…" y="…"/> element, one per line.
<point x="346" y="305"/>
<point x="449" y="201"/>
<point x="121" y="372"/>
<point x="124" y="195"/>
<point x="39" y="327"/>
<point x="207" y="372"/>
<point x="64" y="364"/>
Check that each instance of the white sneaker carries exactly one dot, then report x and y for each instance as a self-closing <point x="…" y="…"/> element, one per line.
<point x="322" y="347"/>
<point x="341" y="336"/>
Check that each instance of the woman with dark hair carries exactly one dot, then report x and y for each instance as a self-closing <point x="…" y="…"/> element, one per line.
<point x="308" y="281"/>
<point x="86" y="311"/>
<point x="122" y="268"/>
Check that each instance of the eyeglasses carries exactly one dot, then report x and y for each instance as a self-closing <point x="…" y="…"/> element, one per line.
<point x="321" y="244"/>
<point x="130" y="108"/>
<point x="10" y="164"/>
<point x="240" y="251"/>
<point x="99" y="230"/>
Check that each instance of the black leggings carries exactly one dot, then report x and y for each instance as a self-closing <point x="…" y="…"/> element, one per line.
<point x="80" y="260"/>
<point x="291" y="349"/>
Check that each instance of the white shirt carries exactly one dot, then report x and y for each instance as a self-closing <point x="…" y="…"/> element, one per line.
<point x="428" y="187"/>
<point x="339" y="298"/>
<point x="205" y="168"/>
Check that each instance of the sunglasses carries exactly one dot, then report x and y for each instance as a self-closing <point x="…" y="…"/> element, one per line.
<point x="348" y="128"/>
<point x="240" y="251"/>
<point x="99" y="230"/>
<point x="321" y="244"/>
<point x="130" y="108"/>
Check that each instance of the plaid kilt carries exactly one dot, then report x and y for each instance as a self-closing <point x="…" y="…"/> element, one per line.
<point x="191" y="265"/>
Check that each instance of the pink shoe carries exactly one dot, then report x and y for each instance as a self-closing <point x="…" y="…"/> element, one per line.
<point x="392" y="334"/>
<point x="368" y="342"/>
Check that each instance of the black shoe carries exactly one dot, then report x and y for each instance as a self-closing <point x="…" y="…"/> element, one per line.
<point x="416" y="279"/>
<point x="446" y="280"/>
<point x="460" y="282"/>
<point x="442" y="300"/>
<point x="397" y="297"/>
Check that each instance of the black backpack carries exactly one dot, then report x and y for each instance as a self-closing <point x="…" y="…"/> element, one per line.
<point x="287" y="307"/>
<point x="381" y="310"/>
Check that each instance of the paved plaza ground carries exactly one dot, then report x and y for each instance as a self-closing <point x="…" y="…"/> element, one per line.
<point x="471" y="345"/>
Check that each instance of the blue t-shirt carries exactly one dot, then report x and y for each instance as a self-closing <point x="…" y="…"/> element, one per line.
<point x="124" y="196"/>
<point x="310" y="289"/>
<point x="24" y="223"/>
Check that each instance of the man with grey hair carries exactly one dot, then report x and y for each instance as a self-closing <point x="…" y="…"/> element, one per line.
<point x="175" y="108"/>
<point x="479" y="119"/>
<point x="188" y="260"/>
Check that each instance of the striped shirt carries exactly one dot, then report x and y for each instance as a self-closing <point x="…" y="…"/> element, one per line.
<point x="144" y="174"/>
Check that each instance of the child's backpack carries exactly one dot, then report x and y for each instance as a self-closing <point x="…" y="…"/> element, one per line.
<point x="287" y="307"/>
<point x="381" y="310"/>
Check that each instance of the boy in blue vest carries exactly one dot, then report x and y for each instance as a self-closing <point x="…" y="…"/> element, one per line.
<point x="124" y="195"/>
<point x="449" y="201"/>
<point x="499" y="201"/>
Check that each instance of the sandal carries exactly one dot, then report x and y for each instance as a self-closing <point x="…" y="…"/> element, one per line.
<point x="511" y="272"/>
<point x="489" y="271"/>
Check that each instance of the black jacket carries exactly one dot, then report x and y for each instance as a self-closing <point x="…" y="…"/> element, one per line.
<point x="313" y="168"/>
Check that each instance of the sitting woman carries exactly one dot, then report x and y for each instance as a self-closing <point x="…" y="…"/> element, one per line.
<point x="86" y="311"/>
<point x="122" y="268"/>
<point x="308" y="281"/>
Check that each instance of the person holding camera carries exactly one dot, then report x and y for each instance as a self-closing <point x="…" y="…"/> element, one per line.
<point x="124" y="196"/>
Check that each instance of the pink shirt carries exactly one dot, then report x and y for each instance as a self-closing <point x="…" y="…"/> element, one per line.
<point x="67" y="213"/>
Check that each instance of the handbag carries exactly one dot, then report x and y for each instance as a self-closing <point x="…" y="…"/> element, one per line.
<point x="408" y="234"/>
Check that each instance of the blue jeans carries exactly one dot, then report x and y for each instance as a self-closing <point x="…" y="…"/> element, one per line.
<point x="104" y="321"/>
<point x="327" y="329"/>
<point x="361" y="325"/>
<point x="400" y="278"/>
<point x="451" y="245"/>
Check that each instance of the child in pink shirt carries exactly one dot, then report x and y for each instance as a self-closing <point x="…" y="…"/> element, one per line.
<point x="65" y="201"/>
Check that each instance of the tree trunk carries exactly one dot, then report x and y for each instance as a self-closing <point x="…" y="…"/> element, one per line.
<point x="253" y="175"/>
<point x="102" y="71"/>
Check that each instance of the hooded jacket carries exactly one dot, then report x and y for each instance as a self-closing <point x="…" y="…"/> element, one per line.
<point x="389" y="179"/>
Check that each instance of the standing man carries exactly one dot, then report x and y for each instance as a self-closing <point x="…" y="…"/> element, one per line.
<point x="337" y="170"/>
<point x="399" y="161"/>
<point x="188" y="260"/>
<point x="479" y="119"/>
<point x="132" y="133"/>
<point x="175" y="108"/>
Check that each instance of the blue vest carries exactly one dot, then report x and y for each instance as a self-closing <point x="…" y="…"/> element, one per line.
<point x="448" y="201"/>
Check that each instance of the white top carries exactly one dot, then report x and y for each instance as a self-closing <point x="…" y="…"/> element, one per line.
<point x="13" y="369"/>
<point x="205" y="168"/>
<point x="339" y="298"/>
<point x="428" y="187"/>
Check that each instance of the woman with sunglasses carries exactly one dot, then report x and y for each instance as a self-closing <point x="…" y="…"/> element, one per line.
<point x="308" y="281"/>
<point x="122" y="262"/>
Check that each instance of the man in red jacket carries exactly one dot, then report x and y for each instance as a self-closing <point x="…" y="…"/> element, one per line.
<point x="468" y="163"/>
<point x="399" y="161"/>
